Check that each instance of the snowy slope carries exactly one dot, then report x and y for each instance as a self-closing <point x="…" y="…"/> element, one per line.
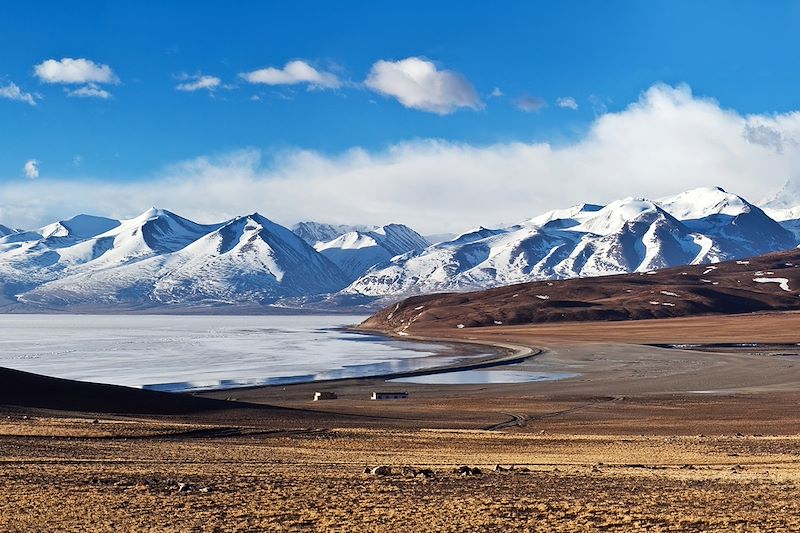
<point x="358" y="251"/>
<point x="314" y="232"/>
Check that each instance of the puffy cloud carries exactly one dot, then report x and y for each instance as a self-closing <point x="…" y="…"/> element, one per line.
<point x="198" y="82"/>
<point x="31" y="169"/>
<point x="13" y="92"/>
<point x="294" y="72"/>
<point x="496" y="93"/>
<point x="530" y="104"/>
<point x="74" y="71"/>
<point x="418" y="84"/>
<point x="667" y="141"/>
<point x="567" y="102"/>
<point x="91" y="90"/>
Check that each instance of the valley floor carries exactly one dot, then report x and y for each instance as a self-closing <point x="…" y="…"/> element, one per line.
<point x="643" y="438"/>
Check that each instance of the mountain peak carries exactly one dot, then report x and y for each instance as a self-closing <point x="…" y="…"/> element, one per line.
<point x="615" y="215"/>
<point x="704" y="201"/>
<point x="80" y="226"/>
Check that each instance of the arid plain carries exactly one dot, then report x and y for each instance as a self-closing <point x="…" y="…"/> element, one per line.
<point x="643" y="437"/>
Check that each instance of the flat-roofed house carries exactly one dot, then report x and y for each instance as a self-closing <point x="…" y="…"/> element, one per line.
<point x="389" y="396"/>
<point x="324" y="395"/>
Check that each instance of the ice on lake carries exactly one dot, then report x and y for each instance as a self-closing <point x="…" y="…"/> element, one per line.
<point x="168" y="352"/>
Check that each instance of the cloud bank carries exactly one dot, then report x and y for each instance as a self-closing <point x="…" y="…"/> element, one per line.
<point x="667" y="141"/>
<point x="418" y="84"/>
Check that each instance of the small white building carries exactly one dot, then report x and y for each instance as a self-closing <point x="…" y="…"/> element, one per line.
<point x="324" y="395"/>
<point x="389" y="396"/>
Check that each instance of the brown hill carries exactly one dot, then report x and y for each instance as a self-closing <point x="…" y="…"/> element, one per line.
<point x="33" y="390"/>
<point x="765" y="283"/>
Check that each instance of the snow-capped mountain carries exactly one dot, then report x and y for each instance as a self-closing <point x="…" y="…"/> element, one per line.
<point x="628" y="235"/>
<point x="249" y="259"/>
<point x="314" y="232"/>
<point x="737" y="226"/>
<point x="356" y="252"/>
<point x="162" y="259"/>
<point x="631" y="235"/>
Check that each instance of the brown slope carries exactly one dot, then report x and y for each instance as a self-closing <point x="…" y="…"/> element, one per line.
<point x="723" y="288"/>
<point x="25" y="389"/>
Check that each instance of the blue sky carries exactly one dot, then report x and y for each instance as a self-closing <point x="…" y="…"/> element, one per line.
<point x="515" y="60"/>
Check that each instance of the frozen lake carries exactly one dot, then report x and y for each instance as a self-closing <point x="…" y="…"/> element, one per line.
<point x="167" y="352"/>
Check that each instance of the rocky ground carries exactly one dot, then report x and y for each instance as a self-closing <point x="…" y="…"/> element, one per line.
<point x="77" y="475"/>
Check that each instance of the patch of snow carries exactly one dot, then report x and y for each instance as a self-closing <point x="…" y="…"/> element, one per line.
<point x="783" y="283"/>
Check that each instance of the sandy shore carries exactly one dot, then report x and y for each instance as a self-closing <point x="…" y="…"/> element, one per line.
<point x="642" y="437"/>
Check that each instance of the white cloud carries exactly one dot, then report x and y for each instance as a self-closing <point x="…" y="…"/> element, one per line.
<point x="667" y="141"/>
<point x="198" y="82"/>
<point x="567" y="102"/>
<point x="31" y="169"/>
<point x="294" y="72"/>
<point x="496" y="92"/>
<point x="530" y="104"/>
<point x="91" y="90"/>
<point x="418" y="84"/>
<point x="13" y="92"/>
<point x="74" y="71"/>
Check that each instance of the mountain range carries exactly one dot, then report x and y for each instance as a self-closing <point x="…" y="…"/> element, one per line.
<point x="162" y="260"/>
